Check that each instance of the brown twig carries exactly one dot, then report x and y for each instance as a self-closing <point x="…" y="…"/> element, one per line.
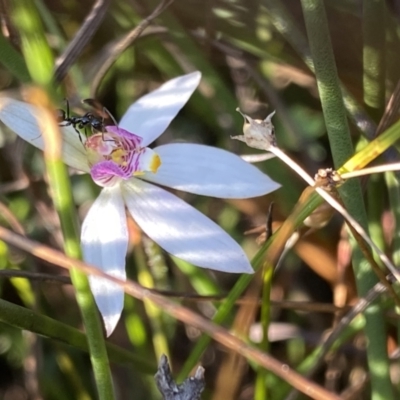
<point x="183" y="314"/>
<point x="123" y="44"/>
<point x="304" y="306"/>
<point x="35" y="276"/>
<point x="81" y="39"/>
<point x="11" y="219"/>
<point x="7" y="27"/>
<point x="344" y="322"/>
<point x="14" y="186"/>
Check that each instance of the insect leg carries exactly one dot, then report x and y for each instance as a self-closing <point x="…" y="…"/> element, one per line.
<point x="105" y="110"/>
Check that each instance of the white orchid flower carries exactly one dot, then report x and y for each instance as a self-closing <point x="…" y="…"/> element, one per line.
<point x="119" y="161"/>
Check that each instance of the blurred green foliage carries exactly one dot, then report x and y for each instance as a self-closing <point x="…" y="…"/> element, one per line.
<point x="248" y="58"/>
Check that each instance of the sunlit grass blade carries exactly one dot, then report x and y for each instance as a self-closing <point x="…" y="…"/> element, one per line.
<point x="372" y="150"/>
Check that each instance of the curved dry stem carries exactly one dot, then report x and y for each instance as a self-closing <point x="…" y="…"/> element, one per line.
<point x="372" y="170"/>
<point x="338" y="207"/>
<point x="183" y="314"/>
<point x="123" y="44"/>
<point x="81" y="39"/>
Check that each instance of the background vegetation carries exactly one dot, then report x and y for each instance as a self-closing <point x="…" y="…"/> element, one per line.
<point x="260" y="55"/>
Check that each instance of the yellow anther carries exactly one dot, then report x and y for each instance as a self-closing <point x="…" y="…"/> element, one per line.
<point x="155" y="163"/>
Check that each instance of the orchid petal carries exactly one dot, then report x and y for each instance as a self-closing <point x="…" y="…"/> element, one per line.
<point x="107" y="173"/>
<point x="148" y="160"/>
<point x="209" y="171"/>
<point x="22" y="118"/>
<point x="135" y="140"/>
<point x="105" y="243"/>
<point x="182" y="230"/>
<point x="151" y="114"/>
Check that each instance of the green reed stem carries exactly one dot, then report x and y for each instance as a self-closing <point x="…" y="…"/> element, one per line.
<point x="341" y="146"/>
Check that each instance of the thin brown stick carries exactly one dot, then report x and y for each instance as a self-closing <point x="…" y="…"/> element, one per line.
<point x="305" y="306"/>
<point x="35" y="276"/>
<point x="81" y="39"/>
<point x="391" y="114"/>
<point x="8" y="28"/>
<point x="15" y="186"/>
<point x="11" y="219"/>
<point x="183" y="314"/>
<point x="361" y="305"/>
<point x="123" y="44"/>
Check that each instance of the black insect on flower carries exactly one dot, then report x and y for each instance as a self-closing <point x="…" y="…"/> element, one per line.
<point x="96" y="120"/>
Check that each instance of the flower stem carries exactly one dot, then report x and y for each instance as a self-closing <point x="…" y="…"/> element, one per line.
<point x="341" y="146"/>
<point x="62" y="196"/>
